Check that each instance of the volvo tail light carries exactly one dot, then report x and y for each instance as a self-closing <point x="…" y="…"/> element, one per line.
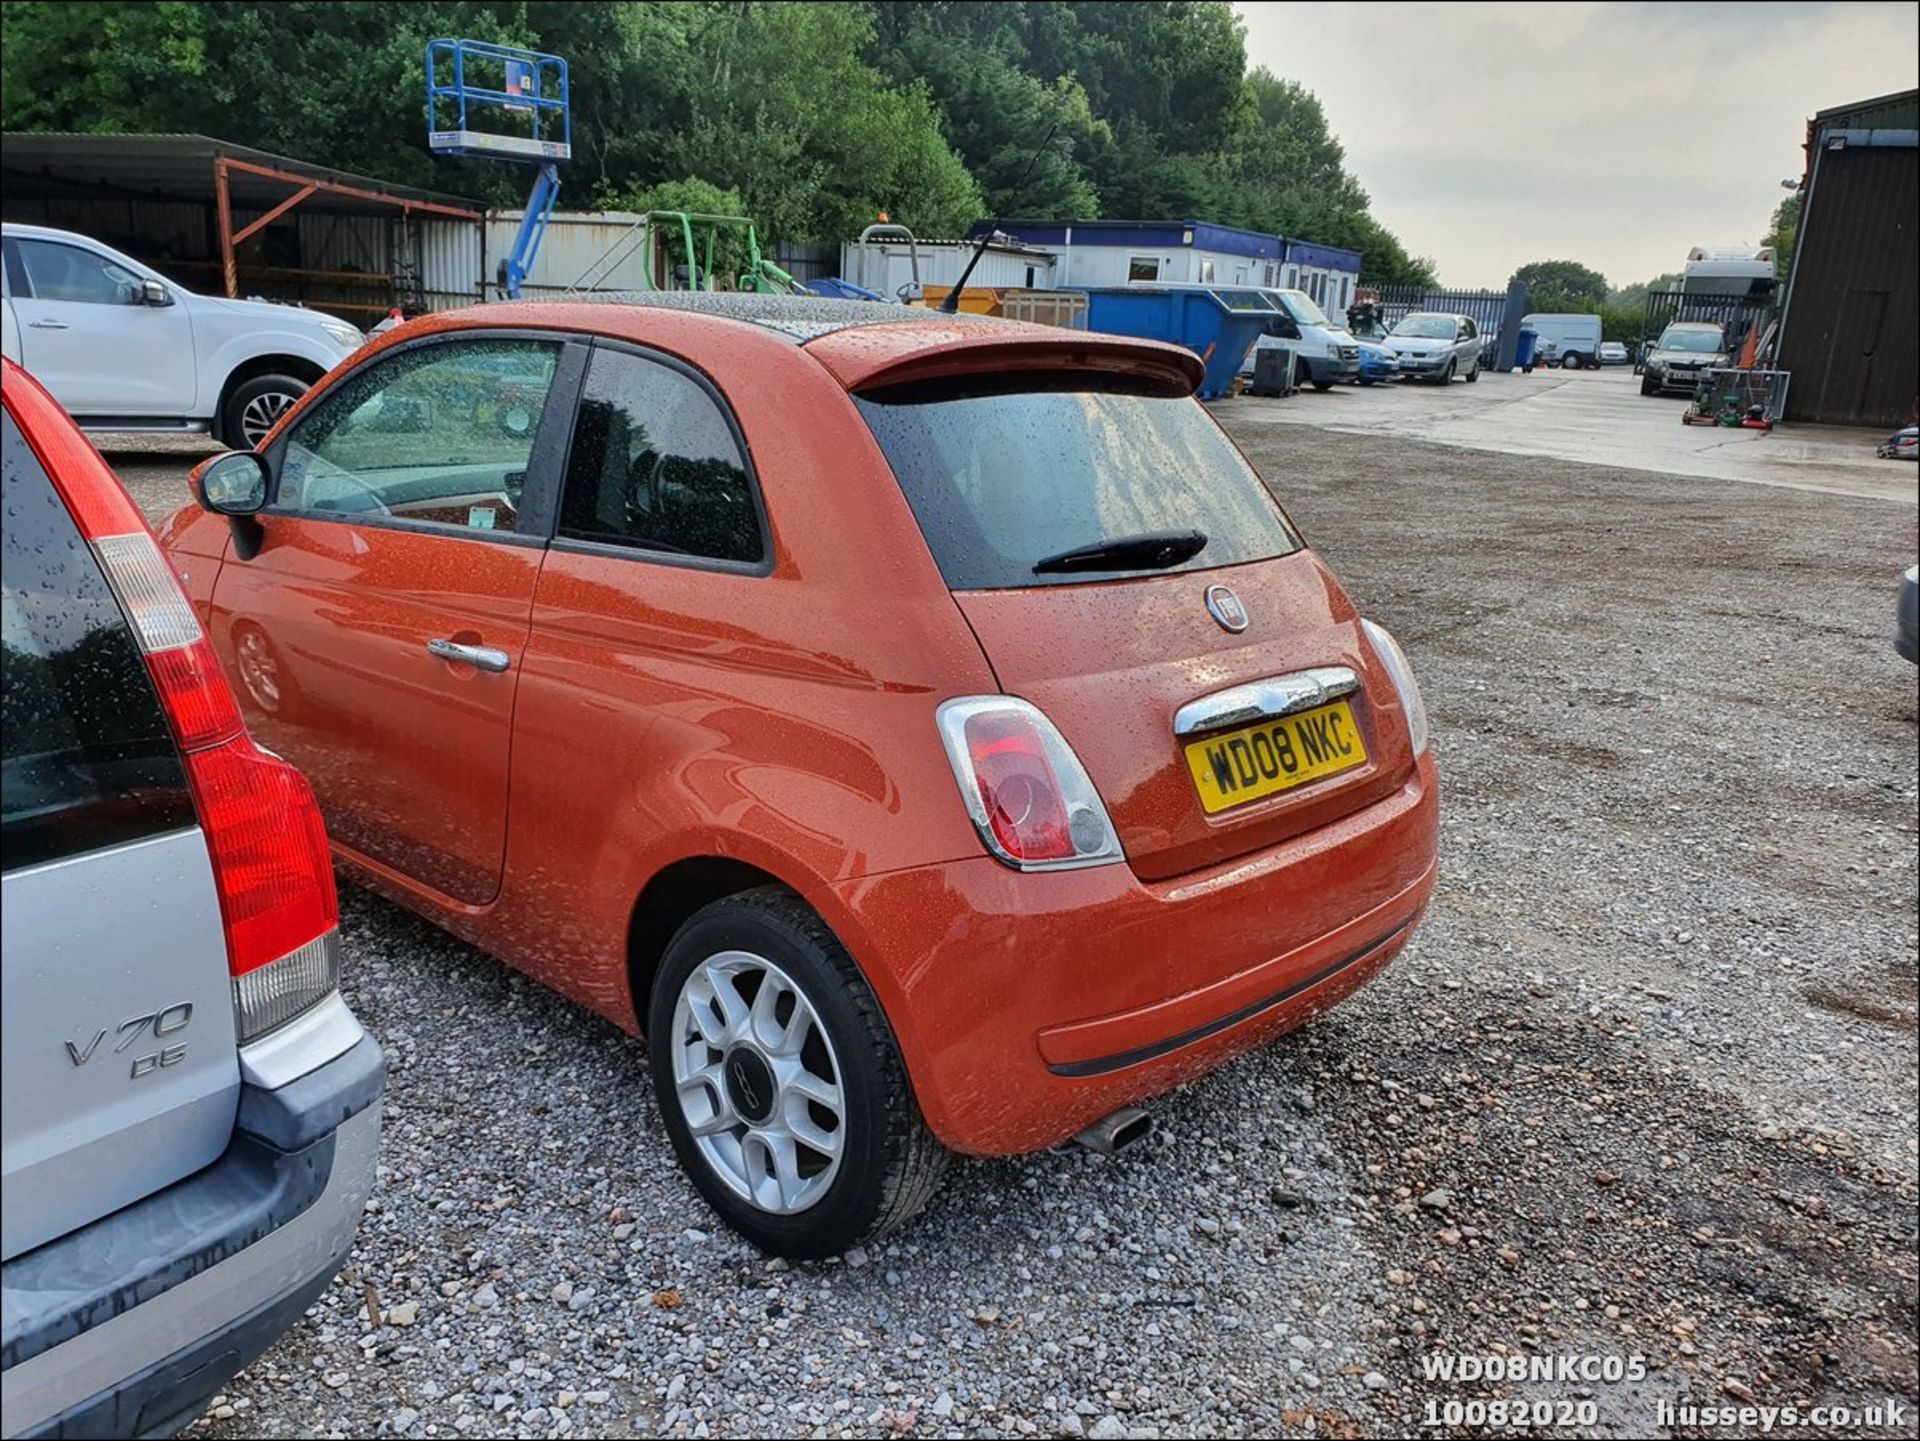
<point x="1028" y="794"/>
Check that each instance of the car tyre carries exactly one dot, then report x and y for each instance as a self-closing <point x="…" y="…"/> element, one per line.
<point x="1474" y="374"/>
<point x="255" y="406"/>
<point x="1445" y="377"/>
<point x="1323" y="385"/>
<point x="1302" y="377"/>
<point x="885" y="1164"/>
<point x="1570" y="361"/>
<point x="1649" y="385"/>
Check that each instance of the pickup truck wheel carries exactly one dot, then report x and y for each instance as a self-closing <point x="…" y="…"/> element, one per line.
<point x="780" y="1083"/>
<point x="262" y="676"/>
<point x="256" y="406"/>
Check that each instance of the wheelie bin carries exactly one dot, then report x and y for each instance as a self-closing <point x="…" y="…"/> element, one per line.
<point x="1218" y="324"/>
<point x="1528" y="340"/>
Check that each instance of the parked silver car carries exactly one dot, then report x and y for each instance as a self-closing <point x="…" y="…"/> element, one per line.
<point x="1684" y="350"/>
<point x="191" y="1113"/>
<point x="1431" y="345"/>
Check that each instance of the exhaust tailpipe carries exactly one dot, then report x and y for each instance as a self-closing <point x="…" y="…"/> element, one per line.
<point x="1113" y="1134"/>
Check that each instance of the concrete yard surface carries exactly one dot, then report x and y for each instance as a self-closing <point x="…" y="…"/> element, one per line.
<point x="1594" y="416"/>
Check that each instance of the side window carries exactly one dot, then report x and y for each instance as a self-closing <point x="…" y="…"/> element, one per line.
<point x="66" y="272"/>
<point x="656" y="466"/>
<point x="440" y="433"/>
<point x="1142" y="268"/>
<point x="1468" y="330"/>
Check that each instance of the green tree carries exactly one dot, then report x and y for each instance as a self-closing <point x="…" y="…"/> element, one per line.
<point x="1563" y="286"/>
<point x="995" y="112"/>
<point x="1784" y="235"/>
<point x="815" y="116"/>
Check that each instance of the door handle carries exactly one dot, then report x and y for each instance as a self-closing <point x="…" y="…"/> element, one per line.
<point x="480" y="657"/>
<point x="46" y="325"/>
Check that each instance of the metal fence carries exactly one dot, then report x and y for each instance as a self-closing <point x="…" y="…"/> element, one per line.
<point x="1487" y="307"/>
<point x="1739" y="316"/>
<point x="1496" y="312"/>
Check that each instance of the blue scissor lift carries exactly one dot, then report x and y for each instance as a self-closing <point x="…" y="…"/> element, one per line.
<point x="472" y="81"/>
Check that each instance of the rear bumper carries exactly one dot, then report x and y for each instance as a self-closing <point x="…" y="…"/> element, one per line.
<point x="1030" y="1005"/>
<point x="127" y="1326"/>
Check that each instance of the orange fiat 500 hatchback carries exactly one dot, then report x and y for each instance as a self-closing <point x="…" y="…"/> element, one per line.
<point x="927" y="730"/>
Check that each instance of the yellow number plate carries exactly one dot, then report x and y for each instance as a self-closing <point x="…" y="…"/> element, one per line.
<point x="1273" y="756"/>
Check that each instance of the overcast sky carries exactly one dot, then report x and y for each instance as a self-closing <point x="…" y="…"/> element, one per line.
<point x="1619" y="135"/>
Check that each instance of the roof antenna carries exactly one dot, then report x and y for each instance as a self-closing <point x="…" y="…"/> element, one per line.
<point x="950" y="305"/>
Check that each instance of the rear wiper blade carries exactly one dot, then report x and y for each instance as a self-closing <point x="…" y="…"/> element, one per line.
<point x="1151" y="550"/>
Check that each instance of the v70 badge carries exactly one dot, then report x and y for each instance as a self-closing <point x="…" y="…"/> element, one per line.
<point x="168" y="1021"/>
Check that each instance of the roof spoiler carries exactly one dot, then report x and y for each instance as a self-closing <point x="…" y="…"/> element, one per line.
<point x="1169" y="370"/>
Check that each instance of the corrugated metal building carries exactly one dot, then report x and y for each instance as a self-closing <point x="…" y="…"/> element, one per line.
<point x="351" y="245"/>
<point x="582" y="249"/>
<point x="887" y="265"/>
<point x="1849" y="331"/>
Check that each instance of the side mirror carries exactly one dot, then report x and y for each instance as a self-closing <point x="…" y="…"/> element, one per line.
<point x="232" y="484"/>
<point x="152" y="292"/>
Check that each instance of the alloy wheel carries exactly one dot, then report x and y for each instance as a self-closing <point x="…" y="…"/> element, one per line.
<point x="758" y="1083"/>
<point x="259" y="415"/>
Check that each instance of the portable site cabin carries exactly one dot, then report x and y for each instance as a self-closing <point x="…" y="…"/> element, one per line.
<point x="1327" y="273"/>
<point x="1189" y="252"/>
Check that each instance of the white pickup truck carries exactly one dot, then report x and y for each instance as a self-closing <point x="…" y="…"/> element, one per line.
<point x="123" y="348"/>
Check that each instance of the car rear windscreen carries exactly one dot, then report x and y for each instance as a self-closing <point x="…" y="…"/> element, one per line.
<point x="1004" y="472"/>
<point x="86" y="757"/>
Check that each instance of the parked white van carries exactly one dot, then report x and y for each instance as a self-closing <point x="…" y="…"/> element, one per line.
<point x="1325" y="354"/>
<point x="1572" y="341"/>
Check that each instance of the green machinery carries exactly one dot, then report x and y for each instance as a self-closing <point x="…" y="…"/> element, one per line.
<point x="684" y="250"/>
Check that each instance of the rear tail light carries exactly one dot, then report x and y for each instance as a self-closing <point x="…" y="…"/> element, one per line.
<point x="1401" y="671"/>
<point x="1028" y="794"/>
<point x="269" y="851"/>
<point x="269" y="996"/>
<point x="195" y="694"/>
<point x="264" y="833"/>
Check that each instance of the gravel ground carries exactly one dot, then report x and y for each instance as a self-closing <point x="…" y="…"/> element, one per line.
<point x="1645" y="1085"/>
